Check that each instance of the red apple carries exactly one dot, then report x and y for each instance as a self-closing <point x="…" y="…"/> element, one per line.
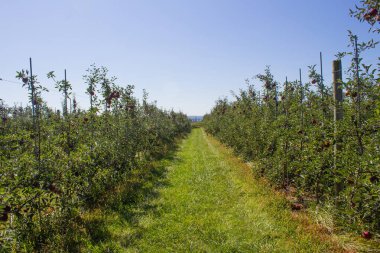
<point x="367" y="235"/>
<point x="54" y="188"/>
<point x="373" y="12"/>
<point x="4" y="214"/>
<point x="297" y="206"/>
<point x="4" y="217"/>
<point x="374" y="179"/>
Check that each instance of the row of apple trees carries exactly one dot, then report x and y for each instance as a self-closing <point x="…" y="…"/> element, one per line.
<point x="56" y="165"/>
<point x="288" y="131"/>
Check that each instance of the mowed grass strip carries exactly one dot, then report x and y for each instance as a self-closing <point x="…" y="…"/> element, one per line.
<point x="212" y="203"/>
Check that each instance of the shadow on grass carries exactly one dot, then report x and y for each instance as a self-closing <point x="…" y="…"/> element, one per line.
<point x="131" y="201"/>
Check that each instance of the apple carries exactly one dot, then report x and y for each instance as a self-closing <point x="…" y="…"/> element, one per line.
<point x="297" y="206"/>
<point x="373" y="12"/>
<point x="53" y="188"/>
<point x="4" y="215"/>
<point x="268" y="85"/>
<point x="367" y="235"/>
<point x="374" y="179"/>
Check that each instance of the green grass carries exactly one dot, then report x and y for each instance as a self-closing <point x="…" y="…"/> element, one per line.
<point x="207" y="201"/>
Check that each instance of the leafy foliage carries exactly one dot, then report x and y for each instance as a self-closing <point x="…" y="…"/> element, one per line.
<point x="56" y="166"/>
<point x="290" y="134"/>
<point x="368" y="11"/>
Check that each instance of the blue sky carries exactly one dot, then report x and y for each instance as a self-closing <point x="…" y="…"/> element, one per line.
<point x="185" y="53"/>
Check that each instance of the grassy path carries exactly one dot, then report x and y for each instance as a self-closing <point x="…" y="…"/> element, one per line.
<point x="211" y="203"/>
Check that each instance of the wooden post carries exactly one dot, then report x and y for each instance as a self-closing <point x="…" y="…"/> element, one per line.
<point x="338" y="115"/>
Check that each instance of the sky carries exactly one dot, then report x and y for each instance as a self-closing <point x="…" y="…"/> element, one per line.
<point x="185" y="53"/>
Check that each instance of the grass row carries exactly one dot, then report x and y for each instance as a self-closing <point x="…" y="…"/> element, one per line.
<point x="205" y="200"/>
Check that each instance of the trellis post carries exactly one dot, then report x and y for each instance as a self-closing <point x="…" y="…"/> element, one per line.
<point x="338" y="116"/>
